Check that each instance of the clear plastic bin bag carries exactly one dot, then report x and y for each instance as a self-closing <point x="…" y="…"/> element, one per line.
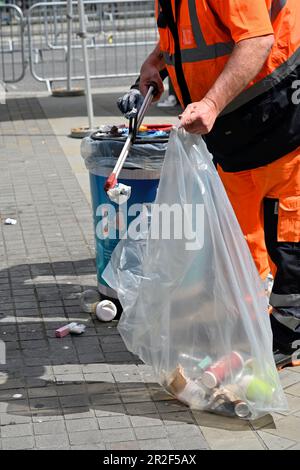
<point x="195" y="308"/>
<point x="99" y="154"/>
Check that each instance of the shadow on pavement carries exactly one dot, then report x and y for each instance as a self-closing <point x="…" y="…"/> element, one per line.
<point x="104" y="105"/>
<point x="45" y="376"/>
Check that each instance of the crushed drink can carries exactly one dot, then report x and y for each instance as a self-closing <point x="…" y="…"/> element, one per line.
<point x="221" y="405"/>
<point x="228" y="401"/>
<point x="242" y="409"/>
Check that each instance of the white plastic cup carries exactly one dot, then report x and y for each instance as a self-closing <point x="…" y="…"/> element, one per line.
<point x="106" y="311"/>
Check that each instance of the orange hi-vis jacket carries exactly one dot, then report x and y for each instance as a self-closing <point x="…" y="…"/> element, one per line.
<point x="208" y="31"/>
<point x="197" y="38"/>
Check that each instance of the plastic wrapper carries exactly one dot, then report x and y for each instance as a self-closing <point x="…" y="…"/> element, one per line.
<point x="195" y="308"/>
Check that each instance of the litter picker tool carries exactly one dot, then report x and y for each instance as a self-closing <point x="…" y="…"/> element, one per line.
<point x="120" y="193"/>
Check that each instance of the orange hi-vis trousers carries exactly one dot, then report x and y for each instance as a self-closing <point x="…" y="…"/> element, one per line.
<point x="266" y="201"/>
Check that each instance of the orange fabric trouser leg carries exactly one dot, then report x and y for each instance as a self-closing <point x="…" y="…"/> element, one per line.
<point x="266" y="201"/>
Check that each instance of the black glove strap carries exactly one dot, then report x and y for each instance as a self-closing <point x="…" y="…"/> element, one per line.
<point x="136" y="85"/>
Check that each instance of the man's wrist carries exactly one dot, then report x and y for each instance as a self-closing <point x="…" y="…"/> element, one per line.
<point x="155" y="59"/>
<point x="213" y="103"/>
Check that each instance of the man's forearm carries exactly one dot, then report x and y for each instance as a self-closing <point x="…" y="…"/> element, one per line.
<point x="152" y="73"/>
<point x="243" y="66"/>
<point x="156" y="58"/>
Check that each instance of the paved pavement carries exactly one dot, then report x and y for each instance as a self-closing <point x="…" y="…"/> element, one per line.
<point x="83" y="392"/>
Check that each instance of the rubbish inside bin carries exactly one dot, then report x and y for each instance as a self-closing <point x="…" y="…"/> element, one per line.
<point x="194" y="306"/>
<point x="146" y="131"/>
<point x="101" y="151"/>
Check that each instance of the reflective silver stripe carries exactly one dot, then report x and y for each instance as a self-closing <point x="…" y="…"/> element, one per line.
<point x="197" y="55"/>
<point x="287" y="320"/>
<point x="199" y="38"/>
<point x="276" y="8"/>
<point x="287" y="300"/>
<point x="108" y="291"/>
<point x="203" y="50"/>
<point x="169" y="58"/>
<point x="283" y="71"/>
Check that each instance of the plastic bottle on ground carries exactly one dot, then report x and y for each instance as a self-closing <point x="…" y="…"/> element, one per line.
<point x="89" y="299"/>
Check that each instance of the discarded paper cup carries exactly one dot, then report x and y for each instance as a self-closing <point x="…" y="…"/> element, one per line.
<point x="106" y="310"/>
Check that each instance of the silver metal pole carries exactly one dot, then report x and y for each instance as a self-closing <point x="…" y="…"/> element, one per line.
<point x="83" y="34"/>
<point x="69" y="44"/>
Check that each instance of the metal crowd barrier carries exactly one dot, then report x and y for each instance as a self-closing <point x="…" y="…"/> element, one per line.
<point x="120" y="34"/>
<point x="48" y="36"/>
<point x="12" y="50"/>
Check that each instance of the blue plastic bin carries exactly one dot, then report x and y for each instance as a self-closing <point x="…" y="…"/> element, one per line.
<point x="141" y="171"/>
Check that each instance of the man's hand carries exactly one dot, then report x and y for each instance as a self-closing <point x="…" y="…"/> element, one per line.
<point x="199" y="117"/>
<point x="130" y="103"/>
<point x="244" y="64"/>
<point x="150" y="76"/>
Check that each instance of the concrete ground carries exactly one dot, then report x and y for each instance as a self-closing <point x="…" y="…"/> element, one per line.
<point x="83" y="392"/>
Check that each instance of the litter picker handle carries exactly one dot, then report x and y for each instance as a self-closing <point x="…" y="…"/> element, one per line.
<point x="113" y="178"/>
<point x="146" y="103"/>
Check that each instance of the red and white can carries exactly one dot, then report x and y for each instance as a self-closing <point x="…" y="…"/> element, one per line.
<point x="222" y="369"/>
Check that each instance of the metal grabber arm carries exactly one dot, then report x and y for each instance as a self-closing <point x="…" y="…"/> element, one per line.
<point x="134" y="125"/>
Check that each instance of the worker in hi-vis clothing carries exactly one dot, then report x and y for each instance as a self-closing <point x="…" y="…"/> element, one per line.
<point x="235" y="67"/>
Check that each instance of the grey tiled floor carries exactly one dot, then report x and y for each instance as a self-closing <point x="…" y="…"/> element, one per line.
<point x="82" y="392"/>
